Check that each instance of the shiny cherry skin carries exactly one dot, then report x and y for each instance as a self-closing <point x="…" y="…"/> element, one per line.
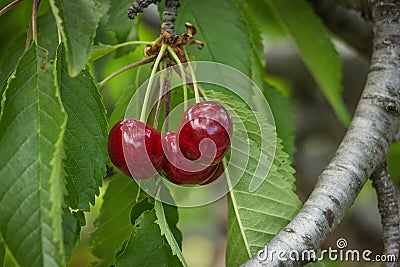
<point x="218" y="174"/>
<point x="179" y="169"/>
<point x="205" y="127"/>
<point x="135" y="148"/>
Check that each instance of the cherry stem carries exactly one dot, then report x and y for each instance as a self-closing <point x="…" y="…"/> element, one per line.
<point x="151" y="79"/>
<point x="9" y="6"/>
<point x="127" y="67"/>
<point x="167" y="108"/>
<point x="201" y="91"/>
<point x="160" y="99"/>
<point x="132" y="43"/>
<point x="185" y="93"/>
<point x="194" y="81"/>
<point x="114" y="47"/>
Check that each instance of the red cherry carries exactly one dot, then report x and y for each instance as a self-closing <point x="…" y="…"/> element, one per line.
<point x="179" y="169"/>
<point x="205" y="132"/>
<point x="220" y="172"/>
<point x="135" y="148"/>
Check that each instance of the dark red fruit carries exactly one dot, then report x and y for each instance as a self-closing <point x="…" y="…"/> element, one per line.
<point x="135" y="148"/>
<point x="204" y="132"/>
<point x="219" y="173"/>
<point x="179" y="169"/>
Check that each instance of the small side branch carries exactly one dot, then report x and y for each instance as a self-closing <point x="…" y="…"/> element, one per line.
<point x="389" y="210"/>
<point x="169" y="16"/>
<point x="138" y="6"/>
<point x="127" y="67"/>
<point x="9" y="6"/>
<point x="347" y="24"/>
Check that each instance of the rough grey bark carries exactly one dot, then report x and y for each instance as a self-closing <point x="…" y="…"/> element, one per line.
<point x="346" y="23"/>
<point x="138" y="6"/>
<point x="169" y="16"/>
<point x="389" y="210"/>
<point x="363" y="149"/>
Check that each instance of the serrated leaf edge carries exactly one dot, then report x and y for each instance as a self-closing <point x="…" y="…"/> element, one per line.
<point x="57" y="186"/>
<point x="163" y="224"/>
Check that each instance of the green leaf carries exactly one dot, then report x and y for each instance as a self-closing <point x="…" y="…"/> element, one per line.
<point x="167" y="219"/>
<point x="118" y="23"/>
<point x="47" y="33"/>
<point x="265" y="19"/>
<point x="282" y="111"/>
<point x="32" y="126"/>
<point x="140" y="207"/>
<point x="113" y="224"/>
<point x="146" y="246"/>
<point x="255" y="217"/>
<point x="72" y="229"/>
<point x="77" y="21"/>
<point x="223" y="31"/>
<point x="283" y="116"/>
<point x="393" y="159"/>
<point x="2" y="253"/>
<point x="141" y="74"/>
<point x="9" y="59"/>
<point x="101" y="50"/>
<point x="86" y="135"/>
<point x="132" y="36"/>
<point x="315" y="47"/>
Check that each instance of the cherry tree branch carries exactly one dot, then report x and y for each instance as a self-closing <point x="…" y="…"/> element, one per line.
<point x="363" y="149"/>
<point x="346" y="23"/>
<point x="138" y="6"/>
<point x="169" y="16"/>
<point x="389" y="210"/>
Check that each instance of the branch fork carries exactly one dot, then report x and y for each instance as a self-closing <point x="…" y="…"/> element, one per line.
<point x="176" y="42"/>
<point x="361" y="153"/>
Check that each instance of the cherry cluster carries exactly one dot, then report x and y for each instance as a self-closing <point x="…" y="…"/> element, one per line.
<point x="191" y="155"/>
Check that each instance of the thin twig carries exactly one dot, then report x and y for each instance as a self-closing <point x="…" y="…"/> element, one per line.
<point x="138" y="6"/>
<point x="28" y="36"/>
<point x="388" y="206"/>
<point x="130" y="66"/>
<point x="9" y="6"/>
<point x="35" y="7"/>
